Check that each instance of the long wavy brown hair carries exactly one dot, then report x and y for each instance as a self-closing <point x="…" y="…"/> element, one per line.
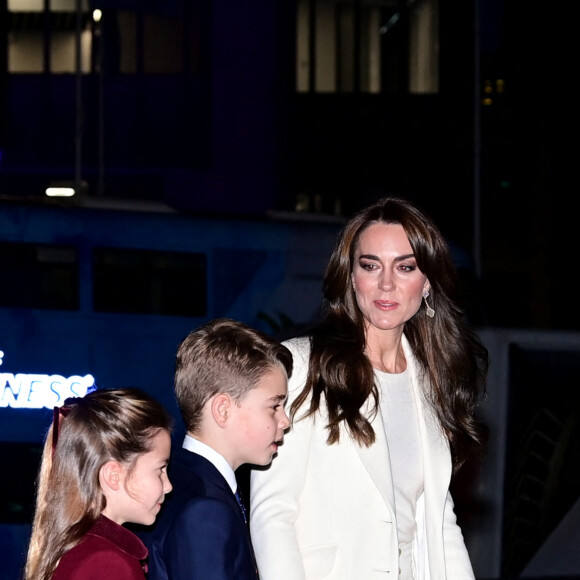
<point x="114" y="424"/>
<point x="453" y="360"/>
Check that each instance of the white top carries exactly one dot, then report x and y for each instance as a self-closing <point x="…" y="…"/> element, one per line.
<point x="215" y="458"/>
<point x="399" y="413"/>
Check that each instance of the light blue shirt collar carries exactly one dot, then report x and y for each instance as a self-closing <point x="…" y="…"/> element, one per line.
<point x="215" y="458"/>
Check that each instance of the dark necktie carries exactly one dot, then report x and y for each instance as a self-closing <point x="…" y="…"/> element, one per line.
<point x="242" y="506"/>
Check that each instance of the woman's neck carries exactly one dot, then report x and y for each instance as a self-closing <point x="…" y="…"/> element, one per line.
<point x="384" y="349"/>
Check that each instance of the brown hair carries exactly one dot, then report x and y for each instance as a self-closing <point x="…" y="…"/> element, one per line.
<point x="112" y="424"/>
<point x="452" y="358"/>
<point x="223" y="356"/>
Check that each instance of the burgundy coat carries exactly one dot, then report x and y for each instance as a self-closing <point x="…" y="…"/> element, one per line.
<point x="108" y="552"/>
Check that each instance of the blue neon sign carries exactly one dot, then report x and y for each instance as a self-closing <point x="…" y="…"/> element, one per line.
<point x="35" y="391"/>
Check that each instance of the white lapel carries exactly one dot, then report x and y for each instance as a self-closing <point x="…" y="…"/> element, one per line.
<point x="436" y="457"/>
<point x="377" y="461"/>
<point x="436" y="476"/>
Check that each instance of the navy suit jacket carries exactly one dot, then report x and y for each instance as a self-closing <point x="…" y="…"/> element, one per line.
<point x="200" y="533"/>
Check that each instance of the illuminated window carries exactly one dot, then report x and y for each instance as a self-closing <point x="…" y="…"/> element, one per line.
<point x="41" y="40"/>
<point x="43" y="37"/>
<point x="373" y="46"/>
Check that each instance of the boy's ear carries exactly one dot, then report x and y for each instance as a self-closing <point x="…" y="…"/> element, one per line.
<point x="111" y="475"/>
<point x="220" y="408"/>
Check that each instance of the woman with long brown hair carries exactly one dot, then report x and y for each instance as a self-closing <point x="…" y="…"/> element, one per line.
<point x="383" y="400"/>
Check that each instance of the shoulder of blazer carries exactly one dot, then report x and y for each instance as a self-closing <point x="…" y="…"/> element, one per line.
<point x="191" y="474"/>
<point x="300" y="348"/>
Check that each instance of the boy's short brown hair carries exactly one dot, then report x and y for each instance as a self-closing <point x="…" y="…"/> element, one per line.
<point x="223" y="356"/>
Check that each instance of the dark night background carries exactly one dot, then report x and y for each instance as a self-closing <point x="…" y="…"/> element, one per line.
<point x="230" y="135"/>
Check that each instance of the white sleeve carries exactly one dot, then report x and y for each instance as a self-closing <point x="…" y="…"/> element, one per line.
<point x="275" y="491"/>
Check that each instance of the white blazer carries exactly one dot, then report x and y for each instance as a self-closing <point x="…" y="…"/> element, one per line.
<point x="326" y="512"/>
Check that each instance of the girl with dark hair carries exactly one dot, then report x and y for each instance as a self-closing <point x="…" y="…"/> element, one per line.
<point x="383" y="399"/>
<point x="104" y="463"/>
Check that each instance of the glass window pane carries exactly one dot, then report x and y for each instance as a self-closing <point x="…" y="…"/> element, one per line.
<point x="388" y="46"/>
<point x="25" y="5"/>
<point x="163" y="45"/>
<point x="25" y="51"/>
<point x="127" y="30"/>
<point x="39" y="276"/>
<point x="149" y="282"/>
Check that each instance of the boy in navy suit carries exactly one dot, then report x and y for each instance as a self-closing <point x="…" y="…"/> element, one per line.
<point x="231" y="386"/>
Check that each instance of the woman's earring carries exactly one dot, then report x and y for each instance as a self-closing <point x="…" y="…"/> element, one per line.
<point x="430" y="311"/>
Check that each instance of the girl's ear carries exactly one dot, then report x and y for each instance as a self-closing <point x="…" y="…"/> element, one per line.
<point x="426" y="287"/>
<point x="220" y="408"/>
<point x="111" y="475"/>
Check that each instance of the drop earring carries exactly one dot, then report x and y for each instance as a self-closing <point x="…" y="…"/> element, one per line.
<point x="430" y="311"/>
